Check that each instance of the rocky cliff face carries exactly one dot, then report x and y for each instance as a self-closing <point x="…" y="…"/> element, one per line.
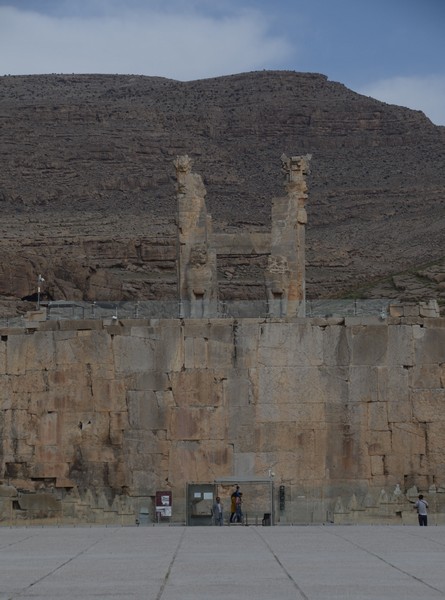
<point x="87" y="193"/>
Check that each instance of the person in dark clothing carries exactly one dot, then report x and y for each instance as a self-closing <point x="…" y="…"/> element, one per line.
<point x="217" y="512"/>
<point x="234" y="501"/>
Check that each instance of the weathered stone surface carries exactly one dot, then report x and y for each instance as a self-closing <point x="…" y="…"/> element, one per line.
<point x="118" y="413"/>
<point x="60" y="219"/>
<point x="197" y="278"/>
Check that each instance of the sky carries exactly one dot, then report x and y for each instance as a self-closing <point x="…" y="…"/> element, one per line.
<point x="392" y="50"/>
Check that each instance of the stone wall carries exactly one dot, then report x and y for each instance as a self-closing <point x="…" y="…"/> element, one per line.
<point x="347" y="414"/>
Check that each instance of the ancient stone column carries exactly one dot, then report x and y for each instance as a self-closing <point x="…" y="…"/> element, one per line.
<point x="197" y="283"/>
<point x="285" y="274"/>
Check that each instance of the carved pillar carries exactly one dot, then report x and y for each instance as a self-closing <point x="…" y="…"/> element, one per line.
<point x="197" y="283"/>
<point x="285" y="274"/>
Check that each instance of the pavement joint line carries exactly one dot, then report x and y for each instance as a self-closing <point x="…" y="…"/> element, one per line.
<point x="288" y="575"/>
<point x="386" y="562"/>
<point x="427" y="538"/>
<point x="24" y="590"/>
<point x="28" y="537"/>
<point x="170" y="566"/>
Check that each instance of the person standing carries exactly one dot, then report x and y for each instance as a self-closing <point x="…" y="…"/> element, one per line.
<point x="421" y="506"/>
<point x="238" y="509"/>
<point x="234" y="499"/>
<point x="218" y="514"/>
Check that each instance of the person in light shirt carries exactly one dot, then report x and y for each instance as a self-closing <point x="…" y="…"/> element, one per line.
<point x="421" y="506"/>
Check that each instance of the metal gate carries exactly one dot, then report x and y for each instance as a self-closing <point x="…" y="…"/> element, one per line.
<point x="200" y="498"/>
<point x="257" y="505"/>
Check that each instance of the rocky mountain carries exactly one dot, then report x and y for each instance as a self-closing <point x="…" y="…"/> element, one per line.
<point x="87" y="189"/>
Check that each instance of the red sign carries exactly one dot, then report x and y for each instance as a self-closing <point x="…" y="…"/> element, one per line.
<point x="164" y="504"/>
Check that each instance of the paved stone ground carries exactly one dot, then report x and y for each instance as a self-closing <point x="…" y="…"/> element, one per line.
<point x="230" y="563"/>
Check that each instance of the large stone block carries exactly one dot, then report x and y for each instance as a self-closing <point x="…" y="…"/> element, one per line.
<point x="378" y="416"/>
<point x="103" y="371"/>
<point x="238" y="390"/>
<point x="246" y="336"/>
<point x="400" y="411"/>
<point x="393" y="383"/>
<point x="400" y="345"/>
<point x="144" y="411"/>
<point x="29" y="352"/>
<point x="70" y="426"/>
<point x="364" y="386"/>
<point x="206" y="352"/>
<point x="33" y="381"/>
<point x="118" y="424"/>
<point x="108" y="394"/>
<point x="245" y="439"/>
<point x="220" y="352"/>
<point x="334" y="384"/>
<point x="302" y="413"/>
<point x="347" y="414"/>
<point x="140" y="445"/>
<point x="198" y="387"/>
<point x="290" y="344"/>
<point x="67" y="398"/>
<point x="239" y="425"/>
<point x="148" y="380"/>
<point x="429" y="346"/>
<point x="49" y="432"/>
<point x="133" y="355"/>
<point x="40" y="503"/>
<point x="68" y="351"/>
<point x="87" y="347"/>
<point x="394" y="464"/>
<point x="193" y="461"/>
<point x="435" y="435"/>
<point x="409" y="439"/>
<point x="336" y="346"/>
<point x="428" y="405"/>
<point x="379" y="442"/>
<point x="346" y="451"/>
<point x="49" y="456"/>
<point x="283" y="385"/>
<point x="276" y="436"/>
<point x="405" y="465"/>
<point x="195" y="353"/>
<point x="369" y="345"/>
<point x="169" y="351"/>
<point x="245" y="463"/>
<point x="194" y="423"/>
<point x="426" y="376"/>
<point x="144" y="480"/>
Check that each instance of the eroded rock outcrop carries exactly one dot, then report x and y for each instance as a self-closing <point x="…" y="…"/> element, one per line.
<point x="87" y="190"/>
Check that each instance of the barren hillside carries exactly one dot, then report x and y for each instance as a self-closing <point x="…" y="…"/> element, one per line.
<point x="87" y="194"/>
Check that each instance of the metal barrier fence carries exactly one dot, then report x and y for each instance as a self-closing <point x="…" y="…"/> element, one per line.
<point x="237" y="309"/>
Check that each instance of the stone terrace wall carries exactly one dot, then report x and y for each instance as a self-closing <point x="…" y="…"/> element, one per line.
<point x="96" y="416"/>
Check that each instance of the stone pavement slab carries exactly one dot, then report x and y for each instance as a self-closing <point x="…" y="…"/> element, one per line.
<point x="203" y="563"/>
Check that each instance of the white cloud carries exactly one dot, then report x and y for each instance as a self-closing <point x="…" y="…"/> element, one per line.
<point x="180" y="46"/>
<point x="425" y="93"/>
